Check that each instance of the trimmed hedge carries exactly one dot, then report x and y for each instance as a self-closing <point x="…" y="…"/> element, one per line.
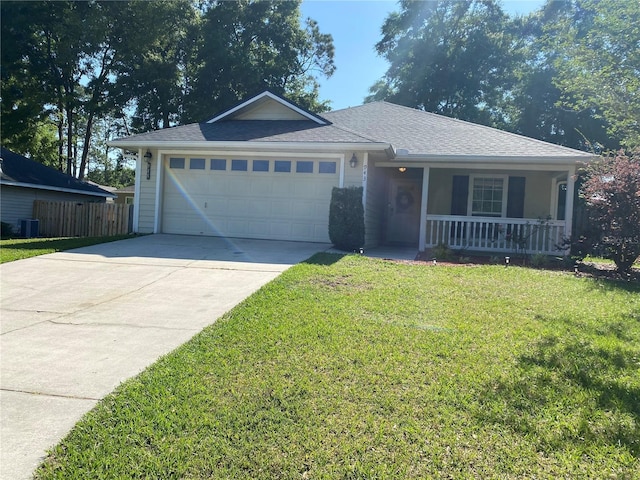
<point x="346" y="218"/>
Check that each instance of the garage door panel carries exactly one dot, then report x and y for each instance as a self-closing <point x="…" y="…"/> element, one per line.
<point x="261" y="186"/>
<point x="259" y="228"/>
<point x="237" y="207"/>
<point x="304" y="208"/>
<point x="278" y="205"/>
<point x="281" y="208"/>
<point x="302" y="230"/>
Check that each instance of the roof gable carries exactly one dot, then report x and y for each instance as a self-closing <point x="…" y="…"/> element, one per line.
<point x="267" y="106"/>
<point x="21" y="171"/>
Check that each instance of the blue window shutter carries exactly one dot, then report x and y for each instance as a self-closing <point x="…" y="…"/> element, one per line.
<point x="459" y="194"/>
<point x="515" y="197"/>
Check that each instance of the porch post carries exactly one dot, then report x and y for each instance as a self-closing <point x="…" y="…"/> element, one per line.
<point x="568" y="212"/>
<point x="422" y="242"/>
<point x="365" y="168"/>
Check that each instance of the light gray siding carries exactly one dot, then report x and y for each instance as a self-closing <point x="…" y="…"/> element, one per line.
<point x="16" y="203"/>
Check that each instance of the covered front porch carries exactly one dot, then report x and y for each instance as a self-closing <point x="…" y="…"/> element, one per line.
<point x="484" y="234"/>
<point x="522" y="208"/>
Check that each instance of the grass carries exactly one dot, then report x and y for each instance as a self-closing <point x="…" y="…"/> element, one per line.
<point x="19" y="248"/>
<point x="356" y="368"/>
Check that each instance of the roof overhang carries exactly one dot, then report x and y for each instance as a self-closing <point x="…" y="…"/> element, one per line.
<point x="56" y="189"/>
<point x="268" y="146"/>
<point x="494" y="159"/>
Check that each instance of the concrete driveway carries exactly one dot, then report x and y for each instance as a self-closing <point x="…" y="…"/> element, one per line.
<point x="76" y="324"/>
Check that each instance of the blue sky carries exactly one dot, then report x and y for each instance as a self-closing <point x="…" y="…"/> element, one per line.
<point x="355" y="26"/>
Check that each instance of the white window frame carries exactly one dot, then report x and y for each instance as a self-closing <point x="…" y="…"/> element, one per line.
<point x="505" y="189"/>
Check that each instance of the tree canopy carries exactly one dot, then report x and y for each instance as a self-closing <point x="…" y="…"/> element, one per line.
<point x="568" y="73"/>
<point x="69" y="66"/>
<point x="449" y="57"/>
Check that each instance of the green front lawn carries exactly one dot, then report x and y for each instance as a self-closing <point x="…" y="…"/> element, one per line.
<point x="348" y="367"/>
<point x="19" y="248"/>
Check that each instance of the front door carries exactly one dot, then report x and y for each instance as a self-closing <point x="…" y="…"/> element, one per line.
<point x="403" y="216"/>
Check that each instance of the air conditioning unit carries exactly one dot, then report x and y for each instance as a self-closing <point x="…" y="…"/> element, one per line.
<point x="29" y="228"/>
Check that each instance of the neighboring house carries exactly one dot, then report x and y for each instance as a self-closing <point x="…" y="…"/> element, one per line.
<point x="23" y="180"/>
<point x="265" y="169"/>
<point x="125" y="195"/>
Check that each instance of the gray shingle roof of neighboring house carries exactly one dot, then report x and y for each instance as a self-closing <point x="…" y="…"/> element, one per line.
<point x="21" y="171"/>
<point x="417" y="132"/>
<point x="424" y="133"/>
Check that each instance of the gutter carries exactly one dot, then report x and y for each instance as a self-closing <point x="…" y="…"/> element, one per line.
<point x="297" y="146"/>
<point x="57" y="189"/>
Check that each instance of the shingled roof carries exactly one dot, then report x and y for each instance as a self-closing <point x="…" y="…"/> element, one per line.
<point x="428" y="134"/>
<point x="21" y="171"/>
<point x="381" y="125"/>
<point x="250" y="131"/>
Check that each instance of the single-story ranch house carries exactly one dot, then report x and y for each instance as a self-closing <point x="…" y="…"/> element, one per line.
<point x="265" y="169"/>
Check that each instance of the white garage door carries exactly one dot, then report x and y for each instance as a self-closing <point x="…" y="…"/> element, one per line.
<point x="249" y="198"/>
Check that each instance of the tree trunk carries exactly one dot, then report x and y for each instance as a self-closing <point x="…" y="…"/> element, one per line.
<point x="69" y="138"/>
<point x="85" y="147"/>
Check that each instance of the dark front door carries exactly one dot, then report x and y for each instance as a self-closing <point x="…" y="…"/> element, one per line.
<point x="403" y="215"/>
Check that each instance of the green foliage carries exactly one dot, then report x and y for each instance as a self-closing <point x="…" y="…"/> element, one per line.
<point x="348" y="367"/>
<point x="346" y="218"/>
<point x="68" y="66"/>
<point x="450" y="57"/>
<point x="248" y="46"/>
<point x="6" y="230"/>
<point x="566" y="74"/>
<point x="598" y="66"/>
<point x="539" y="260"/>
<point x="442" y="252"/>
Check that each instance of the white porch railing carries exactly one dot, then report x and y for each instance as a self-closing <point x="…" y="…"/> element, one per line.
<point x="520" y="235"/>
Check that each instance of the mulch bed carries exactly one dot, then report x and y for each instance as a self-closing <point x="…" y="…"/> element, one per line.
<point x="581" y="269"/>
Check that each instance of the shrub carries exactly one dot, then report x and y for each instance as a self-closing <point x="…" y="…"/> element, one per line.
<point x="346" y="218"/>
<point x="612" y="195"/>
<point x="6" y="230"/>
<point x="539" y="260"/>
<point x="442" y="252"/>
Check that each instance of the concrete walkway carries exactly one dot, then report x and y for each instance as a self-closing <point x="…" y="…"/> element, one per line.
<point x="76" y="324"/>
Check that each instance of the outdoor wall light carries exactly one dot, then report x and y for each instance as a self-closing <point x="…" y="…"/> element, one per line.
<point x="354" y="161"/>
<point x="402" y="169"/>
<point x="147" y="158"/>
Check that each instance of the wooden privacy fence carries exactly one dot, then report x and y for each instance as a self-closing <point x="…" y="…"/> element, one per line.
<point x="74" y="219"/>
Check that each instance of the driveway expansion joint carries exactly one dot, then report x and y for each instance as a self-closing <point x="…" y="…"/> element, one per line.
<point x="123" y="325"/>
<point x="53" y="395"/>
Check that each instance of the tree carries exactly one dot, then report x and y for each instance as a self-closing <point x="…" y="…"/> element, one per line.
<point x="451" y="57"/>
<point x="70" y="57"/>
<point x="611" y="191"/>
<point x="156" y="77"/>
<point x="533" y="106"/>
<point x="248" y="46"/>
<point x="598" y="61"/>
